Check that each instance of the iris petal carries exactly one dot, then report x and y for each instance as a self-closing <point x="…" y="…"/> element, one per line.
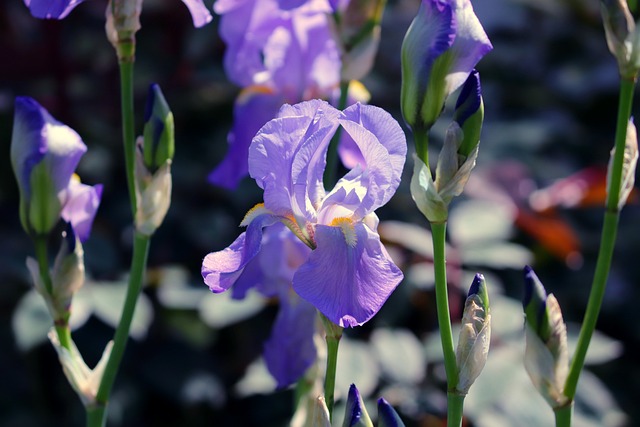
<point x="347" y="283"/>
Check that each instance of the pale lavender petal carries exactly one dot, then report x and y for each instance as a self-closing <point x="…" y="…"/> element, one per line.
<point x="221" y="269"/>
<point x="51" y="9"/>
<point x="199" y="12"/>
<point x="38" y="137"/>
<point x="80" y="207"/>
<point x="349" y="276"/>
<point x="383" y="146"/>
<point x="470" y="45"/>
<point x="290" y="349"/>
<point x="288" y="156"/>
<point x="254" y="107"/>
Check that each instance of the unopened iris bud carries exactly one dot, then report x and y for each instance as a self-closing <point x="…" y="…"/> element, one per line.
<point x="153" y="193"/>
<point x="358" y="28"/>
<point x="355" y="412"/>
<point x="452" y="173"/>
<point x="629" y="163"/>
<point x="475" y="335"/>
<point x="122" y="24"/>
<point x="623" y="37"/>
<point x="546" y="358"/>
<point x="44" y="156"/>
<point x="443" y="44"/>
<point x="387" y="416"/>
<point x="159" y="145"/>
<point x="469" y="113"/>
<point x="67" y="276"/>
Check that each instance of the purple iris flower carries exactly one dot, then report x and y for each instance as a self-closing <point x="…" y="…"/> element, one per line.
<point x="44" y="156"/>
<point x="59" y="9"/>
<point x="348" y="275"/>
<point x="443" y="44"/>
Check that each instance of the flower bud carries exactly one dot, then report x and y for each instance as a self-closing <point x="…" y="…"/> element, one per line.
<point x="546" y="357"/>
<point x="67" y="276"/>
<point x="84" y="381"/>
<point x="153" y="193"/>
<point x="387" y="416"/>
<point x="358" y="29"/>
<point x="629" y="163"/>
<point x="355" y="412"/>
<point x="469" y="113"/>
<point x="623" y="37"/>
<point x="475" y="335"/>
<point x="122" y="24"/>
<point x="443" y="44"/>
<point x="158" y="146"/>
<point x="44" y="155"/>
<point x="452" y="173"/>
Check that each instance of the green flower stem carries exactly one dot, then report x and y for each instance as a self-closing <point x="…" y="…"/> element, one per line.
<point x="138" y="266"/>
<point x="455" y="403"/>
<point x="96" y="415"/>
<point x="128" y="130"/>
<point x="421" y="139"/>
<point x="333" y="335"/>
<point x="60" y="325"/>
<point x="439" y="231"/>
<point x="607" y="242"/>
<point x="563" y="415"/>
<point x="331" y="171"/>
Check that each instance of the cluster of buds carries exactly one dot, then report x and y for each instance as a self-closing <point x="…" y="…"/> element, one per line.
<point x="457" y="158"/>
<point x="154" y="155"/>
<point x="546" y="357"/>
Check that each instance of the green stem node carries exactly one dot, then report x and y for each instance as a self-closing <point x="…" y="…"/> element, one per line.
<point x="455" y="403"/>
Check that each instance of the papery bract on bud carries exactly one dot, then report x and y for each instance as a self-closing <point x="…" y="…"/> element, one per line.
<point x="387" y="416"/>
<point x="475" y="335"/>
<point x="153" y="193"/>
<point x="623" y="36"/>
<point x="348" y="274"/>
<point x="546" y="356"/>
<point x="85" y="381"/>
<point x="443" y="44"/>
<point x="44" y="156"/>
<point x="159" y="130"/>
<point x="629" y="162"/>
<point x="67" y="276"/>
<point x="355" y="413"/>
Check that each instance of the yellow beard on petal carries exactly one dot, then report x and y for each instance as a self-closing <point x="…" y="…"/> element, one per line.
<point x="348" y="230"/>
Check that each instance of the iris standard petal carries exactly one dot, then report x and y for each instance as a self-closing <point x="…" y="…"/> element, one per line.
<point x="290" y="349"/>
<point x="254" y="107"/>
<point x="288" y="155"/>
<point x="51" y="9"/>
<point x="80" y="207"/>
<point x="349" y="276"/>
<point x="199" y="12"/>
<point x="221" y="269"/>
<point x="383" y="147"/>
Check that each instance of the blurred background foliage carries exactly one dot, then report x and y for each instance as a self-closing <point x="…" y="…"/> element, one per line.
<point x="550" y="90"/>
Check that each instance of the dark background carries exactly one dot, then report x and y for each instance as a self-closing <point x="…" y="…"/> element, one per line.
<point x="550" y="90"/>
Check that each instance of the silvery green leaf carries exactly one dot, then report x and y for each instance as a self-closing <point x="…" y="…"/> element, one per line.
<point x="400" y="354"/>
<point x="221" y="310"/>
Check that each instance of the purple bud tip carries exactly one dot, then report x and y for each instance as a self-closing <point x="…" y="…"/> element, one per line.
<point x="528" y="285"/>
<point x="148" y="110"/>
<point x="470" y="97"/>
<point x="387" y="416"/>
<point x="475" y="285"/>
<point x="353" y="405"/>
<point x="69" y="236"/>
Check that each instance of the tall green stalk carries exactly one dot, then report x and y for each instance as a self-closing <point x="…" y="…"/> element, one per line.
<point x="128" y="125"/>
<point x="333" y="335"/>
<point x="607" y="243"/>
<point x="455" y="400"/>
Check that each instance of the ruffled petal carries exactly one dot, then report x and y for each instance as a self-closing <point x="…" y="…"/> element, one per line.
<point x="221" y="269"/>
<point x="383" y="147"/>
<point x="349" y="276"/>
<point x="51" y="9"/>
<point x="255" y="106"/>
<point x="290" y="349"/>
<point x="80" y="207"/>
<point x="199" y="12"/>
<point x="288" y="156"/>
